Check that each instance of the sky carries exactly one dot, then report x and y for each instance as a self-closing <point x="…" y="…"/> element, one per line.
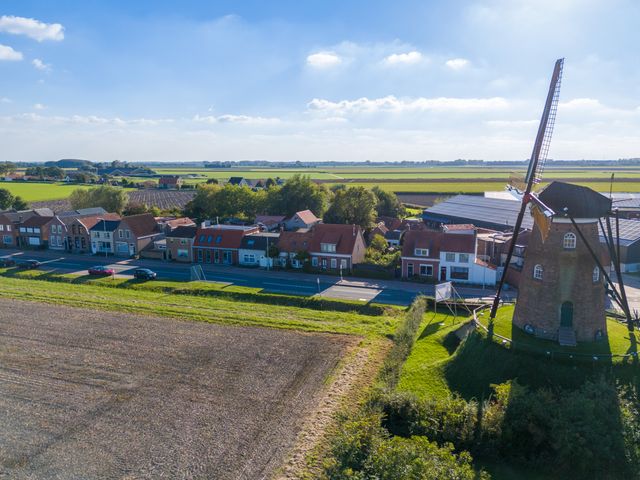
<point x="315" y="80"/>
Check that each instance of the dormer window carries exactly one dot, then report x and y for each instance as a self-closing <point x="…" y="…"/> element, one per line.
<point x="421" y="252"/>
<point x="328" y="247"/>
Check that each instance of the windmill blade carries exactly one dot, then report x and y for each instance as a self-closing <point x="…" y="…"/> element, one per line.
<point x="545" y="129"/>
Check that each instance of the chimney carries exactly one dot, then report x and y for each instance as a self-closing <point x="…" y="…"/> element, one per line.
<point x="354" y="230"/>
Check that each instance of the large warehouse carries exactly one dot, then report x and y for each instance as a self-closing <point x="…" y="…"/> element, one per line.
<point x="500" y="214"/>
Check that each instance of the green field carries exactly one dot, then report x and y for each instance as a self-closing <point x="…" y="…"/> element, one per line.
<point x="38" y="192"/>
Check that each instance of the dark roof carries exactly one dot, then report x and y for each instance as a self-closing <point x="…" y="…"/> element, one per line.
<point x="575" y="200"/>
<point x="395" y="234"/>
<point x="259" y="241"/>
<point x="36" y="221"/>
<point x="220" y="237"/>
<point x="183" y="231"/>
<point x="108" y="225"/>
<point x="236" y="180"/>
<point x="494" y="213"/>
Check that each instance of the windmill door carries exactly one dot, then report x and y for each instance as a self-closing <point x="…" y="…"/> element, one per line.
<point x="566" y="314"/>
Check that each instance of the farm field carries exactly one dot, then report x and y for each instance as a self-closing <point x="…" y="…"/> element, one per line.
<point x="125" y="396"/>
<point x="37" y="191"/>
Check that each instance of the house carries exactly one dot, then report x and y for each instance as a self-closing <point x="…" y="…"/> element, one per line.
<point x="392" y="223"/>
<point x="270" y="223"/>
<point x="65" y="231"/>
<point x="291" y="246"/>
<point x="239" y="181"/>
<point x="445" y="255"/>
<point x="34" y="232"/>
<point x="170" y="182"/>
<point x="379" y="229"/>
<point x="302" y="219"/>
<point x="336" y="247"/>
<point x="180" y="243"/>
<point x="102" y="236"/>
<point x="8" y="232"/>
<point x="168" y="224"/>
<point x="394" y="237"/>
<point x="219" y="244"/>
<point x="254" y="249"/>
<point x="134" y="233"/>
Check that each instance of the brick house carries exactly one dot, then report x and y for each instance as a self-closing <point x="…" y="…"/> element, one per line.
<point x="180" y="243"/>
<point x="290" y="244"/>
<point x="170" y="182"/>
<point x="69" y="231"/>
<point x="168" y="224"/>
<point x="8" y="232"/>
<point x="336" y="247"/>
<point x="134" y="233"/>
<point x="34" y="232"/>
<point x="302" y="219"/>
<point x="421" y="254"/>
<point x="219" y="244"/>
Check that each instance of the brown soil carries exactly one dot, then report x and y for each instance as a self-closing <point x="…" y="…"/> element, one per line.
<point x="92" y="394"/>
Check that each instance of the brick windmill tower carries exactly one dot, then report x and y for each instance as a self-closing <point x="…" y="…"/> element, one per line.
<point x="561" y="292"/>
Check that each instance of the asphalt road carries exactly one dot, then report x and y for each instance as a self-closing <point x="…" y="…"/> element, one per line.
<point x="388" y="292"/>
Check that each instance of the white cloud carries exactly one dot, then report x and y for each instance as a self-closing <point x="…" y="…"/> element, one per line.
<point x="410" y="58"/>
<point x="240" y="119"/>
<point x="9" y="54"/>
<point x="32" y="28"/>
<point x="457" y="63"/>
<point x="40" y="65"/>
<point x="392" y="104"/>
<point x="39" y="106"/>
<point x="324" y="60"/>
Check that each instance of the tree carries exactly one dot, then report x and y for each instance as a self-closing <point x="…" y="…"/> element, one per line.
<point x="6" y="199"/>
<point x="112" y="199"/>
<point x="388" y="204"/>
<point x="270" y="183"/>
<point x="7" y="167"/>
<point x="352" y="205"/>
<point x="212" y="181"/>
<point x="213" y="201"/>
<point x="378" y="243"/>
<point x="300" y="193"/>
<point x="19" y="203"/>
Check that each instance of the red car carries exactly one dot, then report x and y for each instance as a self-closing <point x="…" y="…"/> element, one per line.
<point x="101" y="270"/>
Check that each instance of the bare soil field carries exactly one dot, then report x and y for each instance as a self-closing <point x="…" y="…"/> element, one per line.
<point x="92" y="394"/>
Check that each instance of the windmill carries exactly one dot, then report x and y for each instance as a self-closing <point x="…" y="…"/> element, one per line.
<point x="580" y="210"/>
<point x="534" y="173"/>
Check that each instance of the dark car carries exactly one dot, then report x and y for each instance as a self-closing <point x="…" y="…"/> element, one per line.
<point x="28" y="264"/>
<point x="144" y="274"/>
<point x="101" y="270"/>
<point x="7" y="262"/>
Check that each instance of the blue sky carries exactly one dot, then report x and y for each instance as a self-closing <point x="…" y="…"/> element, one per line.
<point x="315" y="80"/>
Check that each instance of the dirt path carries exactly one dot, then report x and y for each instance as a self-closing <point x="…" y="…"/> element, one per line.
<point x="92" y="394"/>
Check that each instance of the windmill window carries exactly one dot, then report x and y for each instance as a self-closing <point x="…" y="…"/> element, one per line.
<point x="569" y="241"/>
<point x="596" y="275"/>
<point x="537" y="272"/>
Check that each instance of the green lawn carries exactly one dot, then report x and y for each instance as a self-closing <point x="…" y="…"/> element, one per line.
<point x="423" y="373"/>
<point x="39" y="192"/>
<point x="618" y="340"/>
<point x="93" y="294"/>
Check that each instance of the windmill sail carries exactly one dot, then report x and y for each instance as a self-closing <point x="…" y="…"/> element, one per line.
<point x="534" y="172"/>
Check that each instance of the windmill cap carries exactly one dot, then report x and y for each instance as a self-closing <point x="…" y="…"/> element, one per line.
<point x="575" y="200"/>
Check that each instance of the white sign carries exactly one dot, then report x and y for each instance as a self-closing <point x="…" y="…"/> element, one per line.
<point x="444" y="291"/>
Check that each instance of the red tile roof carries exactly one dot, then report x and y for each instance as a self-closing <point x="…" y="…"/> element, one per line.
<point x="342" y="236"/>
<point x="459" y="226"/>
<point x="169" y="180"/>
<point x="269" y="219"/>
<point x="308" y="217"/>
<point x="292" y="242"/>
<point x="437" y="242"/>
<point x="141" y="225"/>
<point x="36" y="221"/>
<point x="220" y="237"/>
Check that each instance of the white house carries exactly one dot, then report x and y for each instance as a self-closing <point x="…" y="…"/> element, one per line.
<point x="254" y="249"/>
<point x="458" y="259"/>
<point x="103" y="236"/>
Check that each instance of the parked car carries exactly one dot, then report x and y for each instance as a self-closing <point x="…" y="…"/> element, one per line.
<point x="7" y="262"/>
<point x="28" y="264"/>
<point x="144" y="274"/>
<point x="101" y="270"/>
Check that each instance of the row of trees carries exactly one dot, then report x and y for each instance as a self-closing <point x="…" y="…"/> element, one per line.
<point x="7" y="167"/>
<point x="46" y="172"/>
<point x="8" y="200"/>
<point x="342" y="204"/>
<point x="112" y="199"/>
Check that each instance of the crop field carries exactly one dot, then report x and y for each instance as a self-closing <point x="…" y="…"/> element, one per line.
<point x="37" y="192"/>
<point x="91" y="394"/>
<point x="163" y="199"/>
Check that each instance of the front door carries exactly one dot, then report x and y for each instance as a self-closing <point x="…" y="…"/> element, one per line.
<point x="443" y="274"/>
<point x="410" y="270"/>
<point x="566" y="314"/>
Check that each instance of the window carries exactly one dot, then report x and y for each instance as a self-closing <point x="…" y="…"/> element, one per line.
<point x="334" y="263"/>
<point x="450" y="257"/>
<point x="537" y="272"/>
<point x="8" y="228"/>
<point x="569" y="241"/>
<point x="463" y="257"/>
<point x="596" y="274"/>
<point x="201" y="238"/>
<point x="120" y="234"/>
<point x="127" y="234"/>
<point x="210" y="238"/>
<point x="182" y="253"/>
<point x="343" y="263"/>
<point x="460" y="273"/>
<point x="53" y="229"/>
<point x="1" y="228"/>
<point x="36" y="230"/>
<point x="199" y="256"/>
<point x="421" y="252"/>
<point x="249" y="258"/>
<point x="314" y="261"/>
<point x="426" y="270"/>
<point x="8" y="239"/>
<point x="218" y="239"/>
<point x="59" y="228"/>
<point x="328" y="247"/>
<point x="183" y="241"/>
<point x="96" y="234"/>
<point x="22" y="229"/>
